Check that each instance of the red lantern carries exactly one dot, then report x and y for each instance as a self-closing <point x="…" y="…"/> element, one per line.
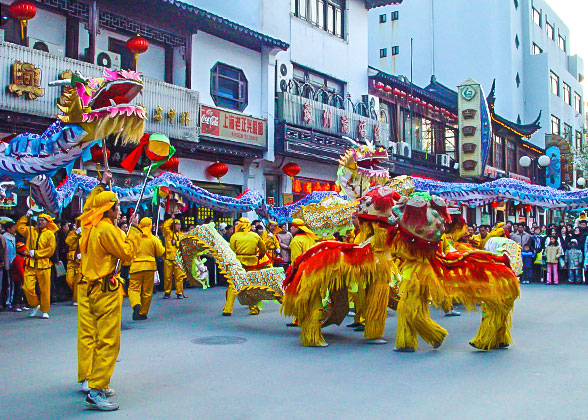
<point x="436" y="109"/>
<point x="416" y="100"/>
<point x="218" y="170"/>
<point x="137" y="45"/>
<point x="291" y="169"/>
<point x="379" y="85"/>
<point x="528" y="208"/>
<point x="388" y="89"/>
<point x="423" y="104"/>
<point x="396" y="92"/>
<point x="430" y="107"/>
<point x="22" y="11"/>
<point x="494" y="204"/>
<point x="402" y="94"/>
<point x="171" y="165"/>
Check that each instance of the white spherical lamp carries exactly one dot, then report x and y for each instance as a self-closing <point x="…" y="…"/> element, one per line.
<point x="544" y="161"/>
<point x="525" y="161"/>
<point x="581" y="181"/>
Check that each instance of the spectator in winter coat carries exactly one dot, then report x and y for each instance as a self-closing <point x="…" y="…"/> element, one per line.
<point x="574" y="260"/>
<point x="17" y="270"/>
<point x="552" y="254"/>
<point x="528" y="257"/>
<point x="520" y="236"/>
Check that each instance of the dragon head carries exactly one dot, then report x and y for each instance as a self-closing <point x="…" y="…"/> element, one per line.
<point x="101" y="106"/>
<point x="422" y="217"/>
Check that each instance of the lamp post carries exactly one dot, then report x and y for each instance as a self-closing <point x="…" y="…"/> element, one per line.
<point x="542" y="162"/>
<point x="581" y="182"/>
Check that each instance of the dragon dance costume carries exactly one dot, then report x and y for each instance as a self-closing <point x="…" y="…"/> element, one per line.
<point x="171" y="269"/>
<point x="73" y="274"/>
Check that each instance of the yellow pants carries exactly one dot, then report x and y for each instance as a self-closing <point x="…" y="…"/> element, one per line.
<point x="72" y="277"/>
<point x="171" y="270"/>
<point x="230" y="302"/>
<point x="358" y="299"/>
<point x="141" y="290"/>
<point x="32" y="276"/>
<point x="104" y="314"/>
<point x="86" y="332"/>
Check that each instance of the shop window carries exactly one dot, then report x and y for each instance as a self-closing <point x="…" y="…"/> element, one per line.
<point x="555" y="125"/>
<point x="395" y="50"/>
<point x="536" y="16"/>
<point x="536" y="49"/>
<point x="326" y="14"/>
<point x="272" y="190"/>
<point x="566" y="93"/>
<point x="577" y="102"/>
<point x="383" y="52"/>
<point x="554" y="83"/>
<point x="383" y="18"/>
<point x="228" y="87"/>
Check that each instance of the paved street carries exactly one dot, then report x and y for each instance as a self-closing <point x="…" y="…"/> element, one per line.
<point x="163" y="374"/>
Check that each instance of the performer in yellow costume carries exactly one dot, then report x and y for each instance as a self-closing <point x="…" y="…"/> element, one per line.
<point x="73" y="274"/>
<point x="251" y="253"/>
<point x="272" y="245"/>
<point x="102" y="245"/>
<point x="172" y="233"/>
<point x="143" y="271"/>
<point x="303" y="239"/>
<point x="40" y="241"/>
<point x="356" y="293"/>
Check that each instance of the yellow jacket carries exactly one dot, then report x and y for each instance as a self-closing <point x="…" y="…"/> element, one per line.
<point x="44" y="244"/>
<point x="272" y="245"/>
<point x="299" y="245"/>
<point x="149" y="248"/>
<point x="73" y="243"/>
<point x="107" y="244"/>
<point x="172" y="240"/>
<point x="249" y="247"/>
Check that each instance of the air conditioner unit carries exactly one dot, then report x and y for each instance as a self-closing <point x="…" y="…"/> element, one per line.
<point x="284" y="74"/>
<point x="48" y="47"/>
<point x="404" y="149"/>
<point x="107" y="59"/>
<point x="372" y="101"/>
<point x="393" y="149"/>
<point x="1" y="35"/>
<point x="444" y="160"/>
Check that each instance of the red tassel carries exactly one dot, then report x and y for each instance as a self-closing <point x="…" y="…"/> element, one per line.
<point x="130" y="162"/>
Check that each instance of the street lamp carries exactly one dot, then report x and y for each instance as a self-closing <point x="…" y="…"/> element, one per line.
<point x="543" y="161"/>
<point x="581" y="182"/>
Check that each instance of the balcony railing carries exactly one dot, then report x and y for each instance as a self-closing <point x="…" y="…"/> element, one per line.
<point x="331" y="114"/>
<point x="172" y="110"/>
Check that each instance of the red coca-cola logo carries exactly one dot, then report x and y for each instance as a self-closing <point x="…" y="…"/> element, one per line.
<point x="209" y="121"/>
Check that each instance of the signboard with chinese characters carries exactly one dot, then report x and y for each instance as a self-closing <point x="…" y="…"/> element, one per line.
<point x="561" y="167"/>
<point x="232" y="126"/>
<point x="474" y="128"/>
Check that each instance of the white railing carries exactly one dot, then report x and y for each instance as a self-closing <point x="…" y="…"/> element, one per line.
<point x="157" y="95"/>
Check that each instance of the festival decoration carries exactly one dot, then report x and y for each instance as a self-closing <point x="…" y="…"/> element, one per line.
<point x="137" y="45"/>
<point x="26" y="80"/>
<point x="379" y="85"/>
<point x="528" y="208"/>
<point x="23" y="11"/>
<point x="388" y="89"/>
<point x="494" y="204"/>
<point x="171" y="165"/>
<point x="218" y="170"/>
<point x="291" y="169"/>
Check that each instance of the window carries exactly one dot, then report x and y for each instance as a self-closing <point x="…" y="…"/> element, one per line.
<point x="554" y="83"/>
<point x="562" y="43"/>
<point x="511" y="154"/>
<point x="568" y="132"/>
<point x="395" y="50"/>
<point x="536" y="49"/>
<point x="554" y="125"/>
<point x="499" y="158"/>
<point x="566" y="93"/>
<point x="550" y="31"/>
<point x="228" y="87"/>
<point x="518" y="80"/>
<point x="516" y="4"/>
<point x="318" y="80"/>
<point x="326" y="14"/>
<point x="579" y="143"/>
<point x="383" y="18"/>
<point x="517" y="43"/>
<point x="394" y="15"/>
<point x="383" y="52"/>
<point x="577" y="103"/>
<point x="536" y="16"/>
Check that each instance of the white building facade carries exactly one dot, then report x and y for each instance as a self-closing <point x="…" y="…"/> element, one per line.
<point x="522" y="44"/>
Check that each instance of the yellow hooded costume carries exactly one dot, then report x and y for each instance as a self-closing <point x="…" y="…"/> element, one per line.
<point x="38" y="266"/>
<point x="73" y="274"/>
<point x="171" y="269"/>
<point x="143" y="270"/>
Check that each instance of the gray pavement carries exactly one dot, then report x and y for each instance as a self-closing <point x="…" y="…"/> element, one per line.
<point x="163" y="374"/>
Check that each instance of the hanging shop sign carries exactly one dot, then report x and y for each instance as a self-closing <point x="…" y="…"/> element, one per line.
<point x="10" y="201"/>
<point x="232" y="126"/>
<point x="26" y="80"/>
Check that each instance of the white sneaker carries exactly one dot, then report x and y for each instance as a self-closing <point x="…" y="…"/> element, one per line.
<point x="45" y="315"/>
<point x="109" y="392"/>
<point x="97" y="400"/>
<point x="25" y="308"/>
<point x="75" y="304"/>
<point x="85" y="387"/>
<point x="34" y="311"/>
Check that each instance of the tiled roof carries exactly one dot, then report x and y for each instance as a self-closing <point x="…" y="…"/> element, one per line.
<point x="224" y="28"/>
<point x="443" y="91"/>
<point x="524" y="130"/>
<point x="370" y="4"/>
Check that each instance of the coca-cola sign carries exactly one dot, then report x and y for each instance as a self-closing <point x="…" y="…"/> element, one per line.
<point x="226" y="125"/>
